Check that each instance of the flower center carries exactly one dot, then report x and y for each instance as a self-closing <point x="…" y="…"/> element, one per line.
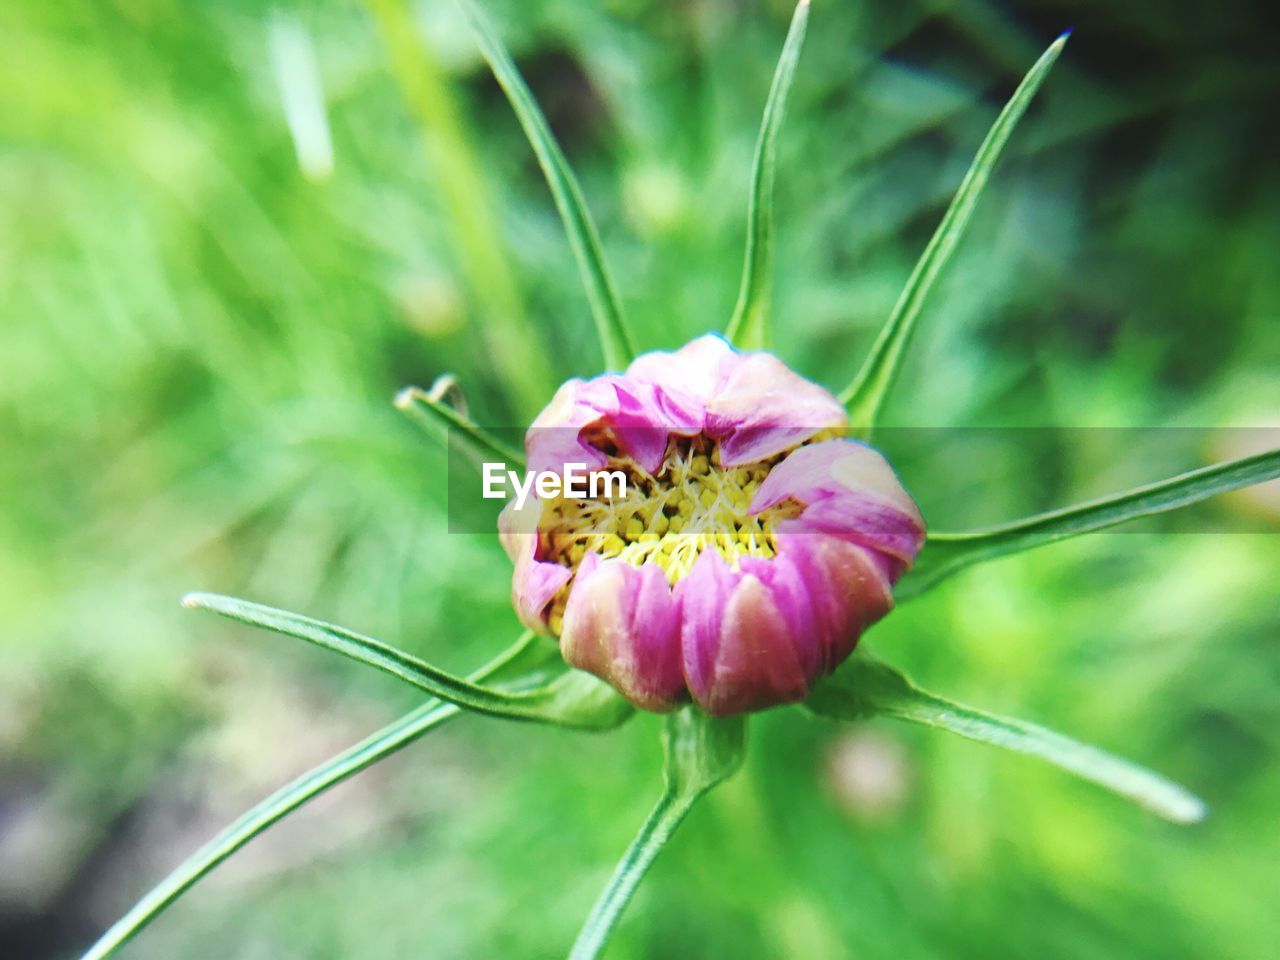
<point x="691" y="504"/>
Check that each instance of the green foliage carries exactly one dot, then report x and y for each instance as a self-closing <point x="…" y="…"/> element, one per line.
<point x="520" y="356"/>
<point x="865" y="395"/>
<point x="749" y="327"/>
<point x="574" y="699"/>
<point x="949" y="553"/>
<point x="865" y="688"/>
<point x="201" y="339"/>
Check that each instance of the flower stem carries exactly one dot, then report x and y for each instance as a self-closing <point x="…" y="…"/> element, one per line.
<point x="700" y="752"/>
<point x="657" y="830"/>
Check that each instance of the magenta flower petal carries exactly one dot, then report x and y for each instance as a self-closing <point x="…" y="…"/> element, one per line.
<point x="622" y="624"/>
<point x="754" y="404"/>
<point x="694" y="369"/>
<point x="554" y="438"/>
<point x="850" y="490"/>
<point x="738" y="653"/>
<point x="639" y="415"/>
<point x="535" y="582"/>
<point x="762" y="408"/>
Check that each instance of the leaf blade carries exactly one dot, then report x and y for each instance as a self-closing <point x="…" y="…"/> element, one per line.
<point x="580" y="227"/>
<point x="866" y="393"/>
<point x="867" y="686"/>
<point x="749" y="326"/>
<point x="575" y="699"/>
<point x="295" y="794"/>
<point x="946" y="554"/>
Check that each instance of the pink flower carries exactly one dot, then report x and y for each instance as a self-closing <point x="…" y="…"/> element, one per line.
<point x="752" y="548"/>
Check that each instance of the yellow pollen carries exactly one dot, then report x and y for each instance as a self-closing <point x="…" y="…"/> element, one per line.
<point x="668" y="518"/>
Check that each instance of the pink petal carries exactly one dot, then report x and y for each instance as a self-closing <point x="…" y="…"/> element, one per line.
<point x="622" y="624"/>
<point x="754" y="404"/>
<point x="738" y="653"/>
<point x="640" y="415"/>
<point x="848" y="490"/>
<point x="762" y="407"/>
<point x="535" y="582"/>
<point x="693" y="370"/>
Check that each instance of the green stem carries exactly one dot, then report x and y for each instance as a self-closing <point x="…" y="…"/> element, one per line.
<point x="667" y="815"/>
<point x="700" y="752"/>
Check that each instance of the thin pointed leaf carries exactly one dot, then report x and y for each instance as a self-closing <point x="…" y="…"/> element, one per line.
<point x="865" y="395"/>
<point x="750" y="327"/>
<point x="949" y="553"/>
<point x="575" y="699"/>
<point x="445" y="423"/>
<point x="294" y="795"/>
<point x="868" y="687"/>
<point x="700" y="752"/>
<point x="606" y="308"/>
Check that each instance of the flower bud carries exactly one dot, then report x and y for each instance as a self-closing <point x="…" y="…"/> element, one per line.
<point x="752" y="547"/>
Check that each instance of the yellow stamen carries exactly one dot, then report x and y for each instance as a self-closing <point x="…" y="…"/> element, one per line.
<point x="668" y="518"/>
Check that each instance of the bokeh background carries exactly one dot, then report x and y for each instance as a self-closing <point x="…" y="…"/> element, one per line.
<point x="230" y="231"/>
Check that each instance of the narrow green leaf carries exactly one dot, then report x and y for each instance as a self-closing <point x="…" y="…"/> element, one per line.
<point x="750" y="326"/>
<point x="948" y="553"/>
<point x="575" y="699"/>
<point x="444" y="423"/>
<point x="865" y="395"/>
<point x="700" y="752"/>
<point x="867" y="687"/>
<point x="611" y="326"/>
<point x="528" y="651"/>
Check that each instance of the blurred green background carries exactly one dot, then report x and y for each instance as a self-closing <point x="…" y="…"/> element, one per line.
<point x="230" y="231"/>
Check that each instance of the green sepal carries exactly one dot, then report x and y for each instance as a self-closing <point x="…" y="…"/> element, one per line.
<point x="945" y="554"/>
<point x="574" y="699"/>
<point x="866" y="687"/>
<point x="749" y="328"/>
<point x="584" y="238"/>
<point x="866" y="394"/>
